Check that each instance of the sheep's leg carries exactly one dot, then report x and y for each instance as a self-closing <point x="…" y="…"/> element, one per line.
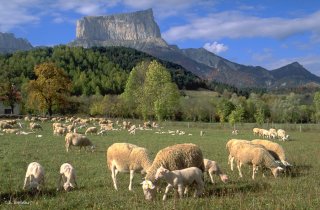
<point x="254" y="170"/>
<point x="67" y="146"/>
<point x="231" y="162"/>
<point x="186" y="189"/>
<point x="26" y="181"/>
<point x="180" y="190"/>
<point x="210" y="172"/>
<point x="239" y="168"/>
<point x="114" y="176"/>
<point x="169" y="186"/>
<point x="131" y="178"/>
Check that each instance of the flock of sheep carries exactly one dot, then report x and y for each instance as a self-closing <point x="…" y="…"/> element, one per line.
<point x="271" y="133"/>
<point x="180" y="166"/>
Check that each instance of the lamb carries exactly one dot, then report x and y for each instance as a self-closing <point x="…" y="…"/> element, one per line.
<point x="125" y="157"/>
<point x="174" y="157"/>
<point x="256" y="155"/>
<point x="67" y="176"/>
<point x="34" y="178"/>
<point x="275" y="149"/>
<point x="92" y="130"/>
<point x="211" y="167"/>
<point x="181" y="179"/>
<point x="79" y="141"/>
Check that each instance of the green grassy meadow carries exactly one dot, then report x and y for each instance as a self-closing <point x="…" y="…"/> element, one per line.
<point x="297" y="189"/>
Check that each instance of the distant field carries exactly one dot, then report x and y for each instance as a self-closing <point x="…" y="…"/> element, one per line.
<point x="299" y="189"/>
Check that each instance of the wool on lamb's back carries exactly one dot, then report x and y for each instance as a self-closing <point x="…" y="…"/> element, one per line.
<point x="176" y="157"/>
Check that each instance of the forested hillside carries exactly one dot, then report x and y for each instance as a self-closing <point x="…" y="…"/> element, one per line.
<point x="92" y="71"/>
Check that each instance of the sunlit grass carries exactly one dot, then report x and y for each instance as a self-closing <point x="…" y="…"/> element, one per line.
<point x="298" y="189"/>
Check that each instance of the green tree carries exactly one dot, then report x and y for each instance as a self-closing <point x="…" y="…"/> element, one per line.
<point x="160" y="94"/>
<point x="260" y="116"/>
<point x="224" y="107"/>
<point x="150" y="91"/>
<point x="50" y="89"/>
<point x="316" y="104"/>
<point x="10" y="95"/>
<point x="237" y="115"/>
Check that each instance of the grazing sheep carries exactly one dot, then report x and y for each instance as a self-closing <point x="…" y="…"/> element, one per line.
<point x="125" y="157"/>
<point x="256" y="131"/>
<point x="78" y="140"/>
<point x="34" y="178"/>
<point x="235" y="132"/>
<point x="35" y="126"/>
<point x="5" y="125"/>
<point x="211" y="167"/>
<point x="275" y="149"/>
<point x="256" y="156"/>
<point x="68" y="177"/>
<point x="282" y="135"/>
<point x="273" y="133"/>
<point x="174" y="157"/>
<point x="92" y="130"/>
<point x="11" y="130"/>
<point x="181" y="179"/>
<point x="229" y="145"/>
<point x="60" y="131"/>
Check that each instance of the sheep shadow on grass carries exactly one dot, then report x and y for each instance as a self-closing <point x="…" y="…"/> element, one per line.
<point x="233" y="188"/>
<point x="297" y="170"/>
<point x="24" y="197"/>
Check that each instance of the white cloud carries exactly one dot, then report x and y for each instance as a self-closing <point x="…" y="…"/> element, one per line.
<point x="234" y="24"/>
<point x="14" y="13"/>
<point x="215" y="47"/>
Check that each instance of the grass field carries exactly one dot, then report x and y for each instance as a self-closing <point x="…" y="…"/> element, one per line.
<point x="299" y="189"/>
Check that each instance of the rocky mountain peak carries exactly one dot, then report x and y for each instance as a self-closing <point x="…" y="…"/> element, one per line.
<point x="129" y="26"/>
<point x="9" y="43"/>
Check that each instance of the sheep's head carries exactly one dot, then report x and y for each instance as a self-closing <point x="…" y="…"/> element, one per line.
<point x="276" y="171"/>
<point x="160" y="172"/>
<point x="148" y="189"/>
<point x="93" y="147"/>
<point x="224" y="178"/>
<point x="68" y="186"/>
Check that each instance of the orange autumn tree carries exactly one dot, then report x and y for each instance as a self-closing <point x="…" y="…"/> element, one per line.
<point x="50" y="89"/>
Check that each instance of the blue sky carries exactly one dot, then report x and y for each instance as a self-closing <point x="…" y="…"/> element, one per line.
<point x="267" y="33"/>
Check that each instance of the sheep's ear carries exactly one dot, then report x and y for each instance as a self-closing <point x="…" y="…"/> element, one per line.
<point x="280" y="168"/>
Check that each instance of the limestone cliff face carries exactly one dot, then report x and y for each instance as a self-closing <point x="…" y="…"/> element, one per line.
<point x="9" y="43"/>
<point x="129" y="29"/>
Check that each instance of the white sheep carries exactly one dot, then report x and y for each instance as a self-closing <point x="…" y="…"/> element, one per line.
<point x="59" y="131"/>
<point x="256" y="131"/>
<point x="92" y="130"/>
<point x="125" y="157"/>
<point x="67" y="177"/>
<point x="282" y="135"/>
<point x="275" y="149"/>
<point x="181" y="179"/>
<point x="256" y="156"/>
<point x="78" y="140"/>
<point x="174" y="157"/>
<point x="211" y="167"/>
<point x="34" y="178"/>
